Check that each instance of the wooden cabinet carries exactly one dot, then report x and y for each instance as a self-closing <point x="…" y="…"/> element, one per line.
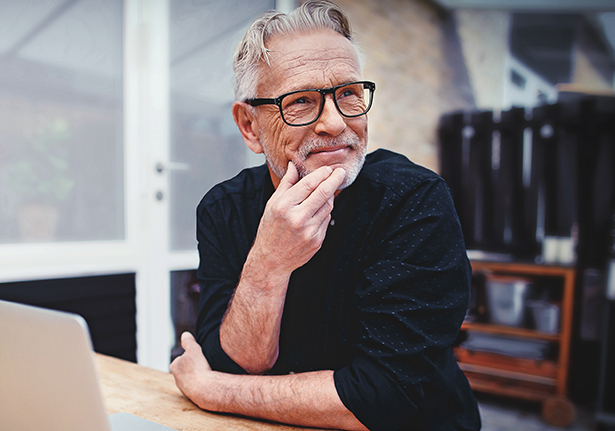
<point x="541" y="379"/>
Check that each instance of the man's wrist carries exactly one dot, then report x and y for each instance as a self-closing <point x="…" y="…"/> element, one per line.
<point x="261" y="270"/>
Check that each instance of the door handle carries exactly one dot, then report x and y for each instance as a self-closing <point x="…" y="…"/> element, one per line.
<point x="172" y="166"/>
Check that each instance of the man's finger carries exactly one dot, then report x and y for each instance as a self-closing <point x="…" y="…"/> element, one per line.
<point x="188" y="341"/>
<point x="290" y="178"/>
<point x="324" y="211"/>
<point x="325" y="191"/>
<point x="306" y="186"/>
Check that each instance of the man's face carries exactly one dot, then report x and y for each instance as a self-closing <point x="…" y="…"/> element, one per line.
<point x="320" y="59"/>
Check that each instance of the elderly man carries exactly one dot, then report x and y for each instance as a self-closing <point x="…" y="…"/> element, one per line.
<point x="333" y="283"/>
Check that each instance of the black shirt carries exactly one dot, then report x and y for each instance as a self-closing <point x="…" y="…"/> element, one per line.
<point x="380" y="303"/>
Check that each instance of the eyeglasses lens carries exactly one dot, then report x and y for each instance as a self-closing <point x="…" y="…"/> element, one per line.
<point x="304" y="106"/>
<point x="352" y="100"/>
<point x="301" y="107"/>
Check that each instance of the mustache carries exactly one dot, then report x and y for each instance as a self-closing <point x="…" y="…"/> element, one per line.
<point x="317" y="143"/>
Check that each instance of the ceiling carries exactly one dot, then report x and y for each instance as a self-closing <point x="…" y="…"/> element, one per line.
<point x="532" y="5"/>
<point x="600" y="13"/>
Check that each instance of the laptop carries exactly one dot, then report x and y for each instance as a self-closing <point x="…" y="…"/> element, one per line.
<point x="48" y="379"/>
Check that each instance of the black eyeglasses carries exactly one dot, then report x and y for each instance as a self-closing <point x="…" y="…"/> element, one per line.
<point x="304" y="107"/>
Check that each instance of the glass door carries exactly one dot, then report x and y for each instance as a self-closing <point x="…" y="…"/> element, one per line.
<point x="114" y="121"/>
<point x="61" y="121"/>
<point x="206" y="146"/>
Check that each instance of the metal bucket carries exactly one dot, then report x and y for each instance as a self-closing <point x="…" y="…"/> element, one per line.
<point x="545" y="316"/>
<point x="506" y="299"/>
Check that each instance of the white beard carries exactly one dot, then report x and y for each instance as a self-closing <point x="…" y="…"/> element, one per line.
<point x="315" y="143"/>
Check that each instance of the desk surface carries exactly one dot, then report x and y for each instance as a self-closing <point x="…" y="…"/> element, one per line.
<point x="152" y="395"/>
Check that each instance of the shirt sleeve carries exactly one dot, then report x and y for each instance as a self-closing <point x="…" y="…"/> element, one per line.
<point x="218" y="275"/>
<point x="410" y="305"/>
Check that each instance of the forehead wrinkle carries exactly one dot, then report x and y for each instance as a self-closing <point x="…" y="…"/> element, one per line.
<point x="293" y="71"/>
<point x="310" y="60"/>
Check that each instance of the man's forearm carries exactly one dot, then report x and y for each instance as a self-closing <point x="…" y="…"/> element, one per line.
<point x="306" y="399"/>
<point x="250" y="329"/>
<point x="290" y="232"/>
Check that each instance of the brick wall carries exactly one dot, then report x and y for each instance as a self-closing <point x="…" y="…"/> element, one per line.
<point x="427" y="63"/>
<point x="405" y="49"/>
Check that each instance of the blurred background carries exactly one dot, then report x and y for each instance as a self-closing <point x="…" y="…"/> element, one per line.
<point x="115" y="120"/>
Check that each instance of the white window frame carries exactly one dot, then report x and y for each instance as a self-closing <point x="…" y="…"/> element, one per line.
<point x="144" y="250"/>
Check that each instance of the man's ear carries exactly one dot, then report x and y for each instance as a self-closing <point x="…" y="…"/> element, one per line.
<point x="247" y="126"/>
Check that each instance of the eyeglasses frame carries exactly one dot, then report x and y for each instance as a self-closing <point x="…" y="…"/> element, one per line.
<point x="323" y="92"/>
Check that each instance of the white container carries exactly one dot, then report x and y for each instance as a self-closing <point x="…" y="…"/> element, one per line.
<point x="558" y="250"/>
<point x="506" y="299"/>
<point x="545" y="315"/>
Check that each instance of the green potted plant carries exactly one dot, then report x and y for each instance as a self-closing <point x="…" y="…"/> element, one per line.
<point x="40" y="176"/>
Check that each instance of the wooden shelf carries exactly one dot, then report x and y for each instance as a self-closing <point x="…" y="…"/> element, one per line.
<point x="511" y="366"/>
<point x="509" y="387"/>
<point x="521" y="268"/>
<point x="530" y="379"/>
<point x="509" y="375"/>
<point x="489" y="328"/>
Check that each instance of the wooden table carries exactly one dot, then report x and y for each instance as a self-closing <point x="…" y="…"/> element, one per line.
<point x="152" y="394"/>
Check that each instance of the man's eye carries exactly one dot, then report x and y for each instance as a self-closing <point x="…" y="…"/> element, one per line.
<point x="300" y="100"/>
<point x="348" y="92"/>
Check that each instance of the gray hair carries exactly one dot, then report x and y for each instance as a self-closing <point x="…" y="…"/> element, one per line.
<point x="252" y="51"/>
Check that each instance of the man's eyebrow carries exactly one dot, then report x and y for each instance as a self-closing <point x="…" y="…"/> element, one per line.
<point x="297" y="88"/>
<point x="303" y="87"/>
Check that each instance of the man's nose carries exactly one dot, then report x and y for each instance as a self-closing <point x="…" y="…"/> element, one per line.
<point x="330" y="122"/>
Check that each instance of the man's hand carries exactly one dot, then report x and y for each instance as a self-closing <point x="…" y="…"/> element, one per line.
<point x="295" y="220"/>
<point x="291" y="231"/>
<point x="191" y="368"/>
<point x="308" y="399"/>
